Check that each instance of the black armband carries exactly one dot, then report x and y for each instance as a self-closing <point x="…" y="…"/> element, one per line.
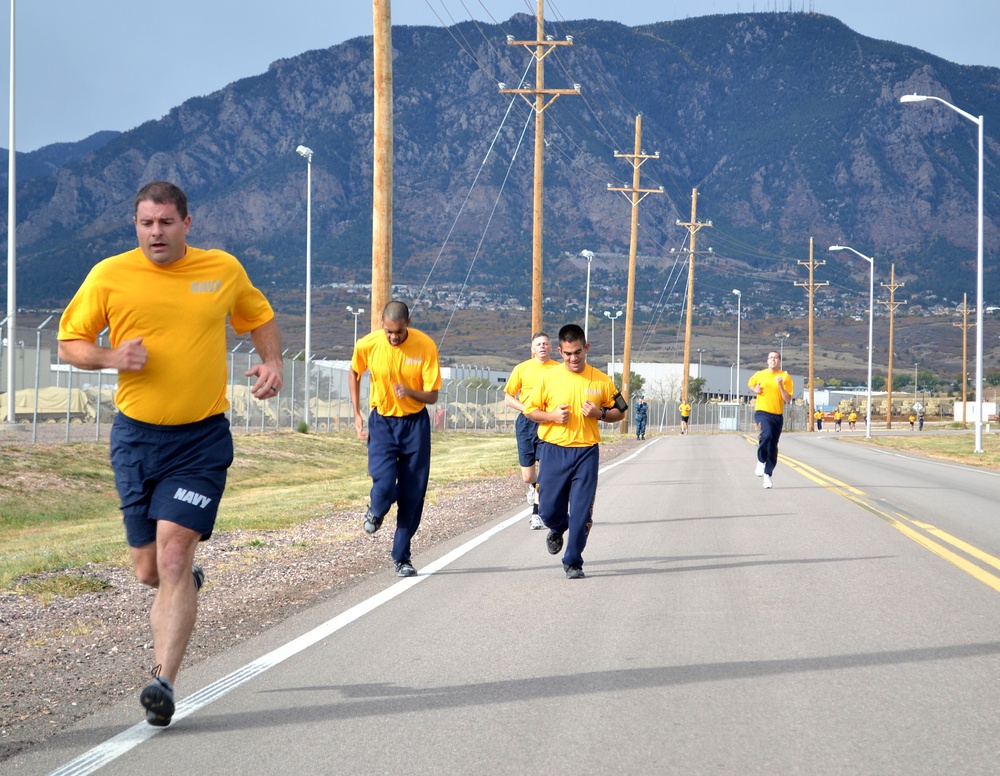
<point x="620" y="404"/>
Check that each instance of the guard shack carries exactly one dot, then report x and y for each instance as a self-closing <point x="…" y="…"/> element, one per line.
<point x="729" y="416"/>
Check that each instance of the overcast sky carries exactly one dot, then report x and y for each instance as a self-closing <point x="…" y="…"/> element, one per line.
<point x="88" y="65"/>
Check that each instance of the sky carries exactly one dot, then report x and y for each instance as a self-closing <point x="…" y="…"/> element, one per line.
<point x="88" y="65"/>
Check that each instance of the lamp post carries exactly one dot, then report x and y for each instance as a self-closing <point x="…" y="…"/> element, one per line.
<point x="871" y="315"/>
<point x="617" y="315"/>
<point x="739" y="326"/>
<point x="781" y="344"/>
<point x="589" y="256"/>
<point x="978" y="121"/>
<point x="308" y="155"/>
<point x="700" y="351"/>
<point x="355" y="313"/>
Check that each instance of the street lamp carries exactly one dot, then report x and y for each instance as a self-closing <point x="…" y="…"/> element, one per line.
<point x="700" y="351"/>
<point x="739" y="326"/>
<point x="979" y="262"/>
<point x="871" y="315"/>
<point x="355" y="313"/>
<point x="308" y="155"/>
<point x="589" y="256"/>
<point x="781" y="344"/>
<point x="617" y="315"/>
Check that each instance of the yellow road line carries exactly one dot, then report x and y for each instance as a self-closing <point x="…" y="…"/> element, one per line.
<point x="903" y="523"/>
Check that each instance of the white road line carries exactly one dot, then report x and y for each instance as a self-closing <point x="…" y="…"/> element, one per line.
<point x="115" y="747"/>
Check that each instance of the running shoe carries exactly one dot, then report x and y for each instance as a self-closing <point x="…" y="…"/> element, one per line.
<point x="536" y="523"/>
<point x="554" y="542"/>
<point x="372" y="521"/>
<point x="405" y="569"/>
<point x="760" y="469"/>
<point x="767" y="482"/>
<point x="157" y="698"/>
<point x="574" y="572"/>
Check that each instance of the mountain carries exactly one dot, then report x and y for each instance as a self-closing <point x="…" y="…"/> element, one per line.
<point x="44" y="161"/>
<point x="789" y="125"/>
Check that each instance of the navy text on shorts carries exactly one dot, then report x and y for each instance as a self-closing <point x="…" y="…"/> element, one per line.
<point x="172" y="473"/>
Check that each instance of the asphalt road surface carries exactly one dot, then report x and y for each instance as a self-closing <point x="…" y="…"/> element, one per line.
<point x="843" y="622"/>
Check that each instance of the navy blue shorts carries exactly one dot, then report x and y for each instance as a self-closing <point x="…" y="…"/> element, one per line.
<point x="172" y="473"/>
<point x="526" y="432"/>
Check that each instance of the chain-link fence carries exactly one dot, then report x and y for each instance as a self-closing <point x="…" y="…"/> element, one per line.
<point x="56" y="402"/>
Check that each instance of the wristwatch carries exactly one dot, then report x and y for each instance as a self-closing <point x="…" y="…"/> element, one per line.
<point x="604" y="412"/>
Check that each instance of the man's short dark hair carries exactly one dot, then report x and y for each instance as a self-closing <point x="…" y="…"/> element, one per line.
<point x="396" y="312"/>
<point x="163" y="193"/>
<point x="572" y="333"/>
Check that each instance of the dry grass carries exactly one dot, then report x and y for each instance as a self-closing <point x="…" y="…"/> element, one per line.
<point x="60" y="509"/>
<point x="956" y="447"/>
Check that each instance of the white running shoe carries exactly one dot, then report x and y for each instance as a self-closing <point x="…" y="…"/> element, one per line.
<point x="767" y="482"/>
<point x="532" y="495"/>
<point x="536" y="523"/>
<point x="760" y="469"/>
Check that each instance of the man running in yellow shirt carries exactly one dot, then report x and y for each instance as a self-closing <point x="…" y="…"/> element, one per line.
<point x="773" y="387"/>
<point x="522" y="380"/>
<point x="405" y="377"/>
<point x="567" y="402"/>
<point x="685" y="409"/>
<point x="167" y="305"/>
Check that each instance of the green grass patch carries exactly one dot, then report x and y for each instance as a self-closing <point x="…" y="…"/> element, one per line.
<point x="957" y="447"/>
<point x="59" y="508"/>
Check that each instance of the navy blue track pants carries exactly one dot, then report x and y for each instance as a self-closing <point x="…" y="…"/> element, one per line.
<point x="767" y="443"/>
<point x="399" y="463"/>
<point x="567" y="485"/>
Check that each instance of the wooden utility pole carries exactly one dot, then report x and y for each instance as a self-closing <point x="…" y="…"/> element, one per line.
<point x="539" y="49"/>
<point x="812" y="285"/>
<point x="892" y="304"/>
<point x="635" y="195"/>
<point x="692" y="226"/>
<point x="382" y="163"/>
<point x="965" y="326"/>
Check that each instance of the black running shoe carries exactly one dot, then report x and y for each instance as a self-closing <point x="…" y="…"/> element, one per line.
<point x="372" y="521"/>
<point x="199" y="577"/>
<point x="574" y="572"/>
<point x="405" y="569"/>
<point x="554" y="542"/>
<point x="157" y="698"/>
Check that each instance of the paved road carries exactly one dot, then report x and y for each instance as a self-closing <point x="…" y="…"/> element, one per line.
<point x="835" y="624"/>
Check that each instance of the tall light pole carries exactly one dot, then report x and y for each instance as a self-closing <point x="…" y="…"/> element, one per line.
<point x="871" y="317"/>
<point x="355" y="313"/>
<point x="11" y="239"/>
<point x="739" y="326"/>
<point x="589" y="256"/>
<point x="978" y="121"/>
<point x="700" y="351"/>
<point x="615" y="317"/>
<point x="781" y="344"/>
<point x="308" y="154"/>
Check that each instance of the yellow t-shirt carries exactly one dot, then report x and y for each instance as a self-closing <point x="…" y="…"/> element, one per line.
<point x="852" y="417"/>
<point x="685" y="409"/>
<point x="413" y="363"/>
<point x="180" y="312"/>
<point x="556" y="387"/>
<point x="524" y="376"/>
<point x="838" y="415"/>
<point x="770" y="400"/>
